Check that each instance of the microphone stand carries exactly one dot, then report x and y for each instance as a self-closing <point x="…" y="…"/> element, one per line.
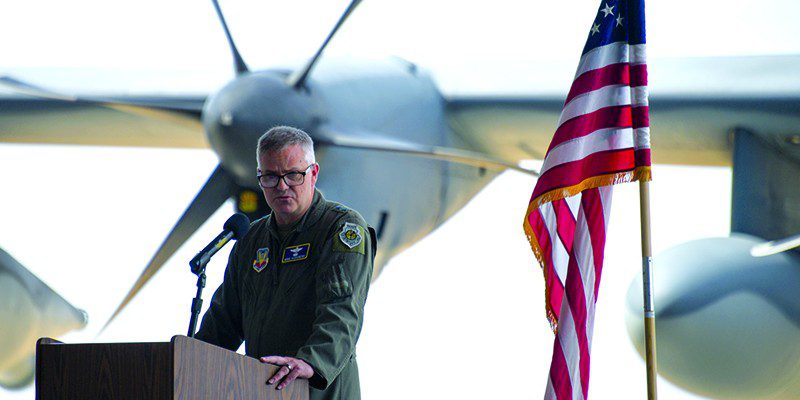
<point x="197" y="302"/>
<point x="236" y="226"/>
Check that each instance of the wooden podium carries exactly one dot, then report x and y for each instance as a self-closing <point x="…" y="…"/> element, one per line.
<point x="183" y="368"/>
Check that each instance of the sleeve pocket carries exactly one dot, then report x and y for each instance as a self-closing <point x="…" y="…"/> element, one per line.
<point x="336" y="283"/>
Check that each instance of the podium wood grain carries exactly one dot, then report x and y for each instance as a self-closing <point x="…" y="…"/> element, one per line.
<point x="183" y="368"/>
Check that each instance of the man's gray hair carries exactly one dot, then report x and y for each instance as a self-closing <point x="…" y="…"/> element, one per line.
<point x="280" y="137"/>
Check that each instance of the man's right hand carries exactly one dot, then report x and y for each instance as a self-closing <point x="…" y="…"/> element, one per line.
<point x="291" y="369"/>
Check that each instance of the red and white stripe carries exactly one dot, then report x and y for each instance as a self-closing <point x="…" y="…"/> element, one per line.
<point x="583" y="241"/>
<point x="604" y="126"/>
<point x="602" y="139"/>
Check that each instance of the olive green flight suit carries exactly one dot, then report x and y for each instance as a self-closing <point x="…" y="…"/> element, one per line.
<point x="307" y="300"/>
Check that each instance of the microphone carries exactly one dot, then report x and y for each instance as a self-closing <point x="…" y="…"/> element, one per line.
<point x="235" y="228"/>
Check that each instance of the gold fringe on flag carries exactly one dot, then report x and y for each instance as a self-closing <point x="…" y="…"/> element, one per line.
<point x="643" y="173"/>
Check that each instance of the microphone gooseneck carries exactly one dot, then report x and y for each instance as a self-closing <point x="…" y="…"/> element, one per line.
<point x="235" y="228"/>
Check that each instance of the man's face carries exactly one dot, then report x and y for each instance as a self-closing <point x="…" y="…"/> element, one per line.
<point x="288" y="203"/>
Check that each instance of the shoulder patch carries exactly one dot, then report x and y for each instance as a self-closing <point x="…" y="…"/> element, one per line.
<point x="262" y="259"/>
<point x="350" y="239"/>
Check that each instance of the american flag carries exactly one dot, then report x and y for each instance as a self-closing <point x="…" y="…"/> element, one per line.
<point x="603" y="138"/>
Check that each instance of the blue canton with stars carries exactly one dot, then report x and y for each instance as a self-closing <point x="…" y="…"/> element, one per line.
<point x="617" y="21"/>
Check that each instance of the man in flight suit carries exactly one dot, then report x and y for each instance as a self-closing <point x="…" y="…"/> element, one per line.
<point x="295" y="285"/>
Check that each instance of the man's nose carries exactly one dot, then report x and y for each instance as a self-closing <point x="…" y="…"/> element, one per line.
<point x="282" y="184"/>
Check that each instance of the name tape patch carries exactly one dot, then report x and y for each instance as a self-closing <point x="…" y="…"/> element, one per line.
<point x="296" y="253"/>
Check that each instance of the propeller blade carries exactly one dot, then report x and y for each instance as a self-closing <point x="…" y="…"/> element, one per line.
<point x="298" y="78"/>
<point x="186" y="114"/>
<point x="33" y="90"/>
<point x="377" y="143"/>
<point x="217" y="189"/>
<point x="238" y="62"/>
<point x="29" y="309"/>
<point x="775" y="246"/>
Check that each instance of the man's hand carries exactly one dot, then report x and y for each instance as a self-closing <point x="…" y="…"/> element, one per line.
<point x="290" y="369"/>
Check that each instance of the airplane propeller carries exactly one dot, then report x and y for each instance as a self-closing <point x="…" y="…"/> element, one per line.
<point x="238" y="62"/>
<point x="775" y="246"/>
<point x="36" y="310"/>
<point x="224" y="117"/>
<point x="354" y="140"/>
<point x="298" y="78"/>
<point x="215" y="192"/>
<point x="221" y="185"/>
<point x="186" y="116"/>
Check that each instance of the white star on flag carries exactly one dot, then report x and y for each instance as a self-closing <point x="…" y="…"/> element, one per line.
<point x="607" y="10"/>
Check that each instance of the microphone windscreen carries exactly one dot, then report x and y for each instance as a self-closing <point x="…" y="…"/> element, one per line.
<point x="239" y="224"/>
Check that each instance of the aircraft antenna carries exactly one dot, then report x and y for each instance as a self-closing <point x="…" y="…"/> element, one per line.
<point x="238" y="62"/>
<point x="298" y="78"/>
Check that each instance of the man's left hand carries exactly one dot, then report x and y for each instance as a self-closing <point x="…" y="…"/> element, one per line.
<point x="290" y="369"/>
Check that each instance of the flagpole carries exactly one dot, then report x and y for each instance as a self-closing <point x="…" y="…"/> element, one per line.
<point x="647" y="288"/>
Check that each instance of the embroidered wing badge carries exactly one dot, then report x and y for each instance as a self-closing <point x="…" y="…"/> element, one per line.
<point x="296" y="253"/>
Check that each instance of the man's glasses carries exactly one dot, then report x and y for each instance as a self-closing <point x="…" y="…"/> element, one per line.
<point x="294" y="178"/>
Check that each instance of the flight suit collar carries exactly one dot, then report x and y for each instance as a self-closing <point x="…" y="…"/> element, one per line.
<point x="314" y="213"/>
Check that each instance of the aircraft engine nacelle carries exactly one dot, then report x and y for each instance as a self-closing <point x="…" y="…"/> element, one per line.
<point x="727" y="323"/>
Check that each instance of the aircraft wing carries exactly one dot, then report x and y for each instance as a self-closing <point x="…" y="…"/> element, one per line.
<point x="163" y="121"/>
<point x="328" y="136"/>
<point x="511" y="129"/>
<point x="695" y="104"/>
<point x="689" y="130"/>
<point x="758" y="135"/>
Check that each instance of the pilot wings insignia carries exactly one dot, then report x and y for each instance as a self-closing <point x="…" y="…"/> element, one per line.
<point x="296" y="253"/>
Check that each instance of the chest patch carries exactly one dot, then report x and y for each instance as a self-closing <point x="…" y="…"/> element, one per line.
<point x="262" y="259"/>
<point x="296" y="253"/>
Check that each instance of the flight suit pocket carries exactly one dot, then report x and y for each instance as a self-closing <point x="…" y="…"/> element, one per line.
<point x="336" y="283"/>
